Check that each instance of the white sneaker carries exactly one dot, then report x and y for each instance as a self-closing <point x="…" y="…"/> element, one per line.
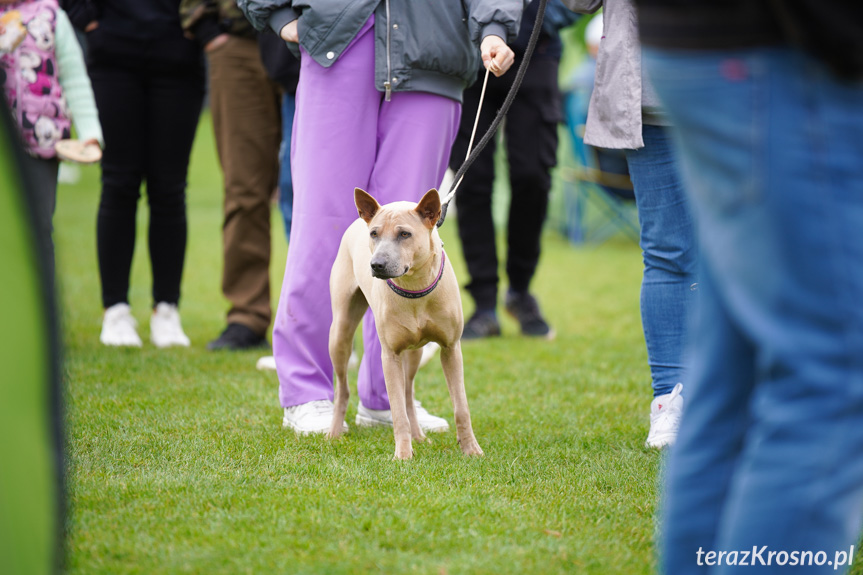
<point x="266" y="363"/>
<point x="429" y="351"/>
<point x="118" y="327"/>
<point x="311" y="417"/>
<point x="165" y="328"/>
<point x="379" y="417"/>
<point x="665" y="412"/>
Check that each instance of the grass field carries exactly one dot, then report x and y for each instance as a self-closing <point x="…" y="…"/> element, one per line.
<point x="178" y="462"/>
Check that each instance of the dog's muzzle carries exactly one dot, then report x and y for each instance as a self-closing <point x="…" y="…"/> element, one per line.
<point x="384" y="270"/>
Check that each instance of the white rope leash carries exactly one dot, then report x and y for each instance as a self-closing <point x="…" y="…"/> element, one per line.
<point x="452" y="191"/>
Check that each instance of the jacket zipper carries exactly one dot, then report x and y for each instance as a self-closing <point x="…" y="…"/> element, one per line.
<point x="387" y="85"/>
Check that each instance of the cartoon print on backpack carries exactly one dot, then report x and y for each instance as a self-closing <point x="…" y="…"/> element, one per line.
<point x="27" y="40"/>
<point x="37" y="72"/>
<point x="31" y="83"/>
<point x="41" y="27"/>
<point x="12" y="31"/>
<point x="46" y="130"/>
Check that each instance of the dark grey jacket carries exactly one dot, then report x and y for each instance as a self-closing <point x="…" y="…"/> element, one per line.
<point x="420" y="45"/>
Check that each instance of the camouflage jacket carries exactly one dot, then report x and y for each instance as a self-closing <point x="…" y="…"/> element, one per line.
<point x="206" y="19"/>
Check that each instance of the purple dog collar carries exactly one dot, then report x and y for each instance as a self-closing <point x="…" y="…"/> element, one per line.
<point x="421" y="293"/>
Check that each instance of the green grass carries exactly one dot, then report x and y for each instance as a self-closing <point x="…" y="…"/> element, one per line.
<point x="178" y="462"/>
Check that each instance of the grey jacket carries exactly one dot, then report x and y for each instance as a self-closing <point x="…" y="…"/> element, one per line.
<point x="622" y="100"/>
<point x="420" y="45"/>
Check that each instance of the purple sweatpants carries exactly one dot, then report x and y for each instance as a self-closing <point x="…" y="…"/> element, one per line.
<point x="345" y="136"/>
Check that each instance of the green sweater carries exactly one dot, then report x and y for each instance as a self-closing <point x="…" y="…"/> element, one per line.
<point x="72" y="74"/>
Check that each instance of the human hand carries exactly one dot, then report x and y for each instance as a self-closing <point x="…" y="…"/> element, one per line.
<point x="80" y="151"/>
<point x="91" y="26"/>
<point x="497" y="57"/>
<point x="289" y="32"/>
<point x="216" y="42"/>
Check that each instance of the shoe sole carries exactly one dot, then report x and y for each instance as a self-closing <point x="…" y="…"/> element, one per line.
<point x="262" y="345"/>
<point x="171" y="344"/>
<point x="477" y="337"/>
<point x="550" y="335"/>
<point x="363" y="421"/>
<point x="546" y="336"/>
<point x="123" y="344"/>
<point x="303" y="432"/>
<point x="660" y="441"/>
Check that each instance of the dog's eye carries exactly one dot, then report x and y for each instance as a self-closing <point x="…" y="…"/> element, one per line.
<point x="405" y="234"/>
<point x="373" y="234"/>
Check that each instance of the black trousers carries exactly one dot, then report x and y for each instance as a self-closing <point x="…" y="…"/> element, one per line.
<point x="149" y="114"/>
<point x="530" y="136"/>
<point x="42" y="176"/>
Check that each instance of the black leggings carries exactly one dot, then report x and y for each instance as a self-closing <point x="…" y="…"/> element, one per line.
<point x="149" y="117"/>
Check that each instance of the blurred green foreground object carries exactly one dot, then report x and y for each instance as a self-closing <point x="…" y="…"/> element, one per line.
<point x="30" y="446"/>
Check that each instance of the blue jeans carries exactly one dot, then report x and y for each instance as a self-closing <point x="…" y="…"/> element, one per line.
<point x="769" y="448"/>
<point x="286" y="185"/>
<point x="669" y="254"/>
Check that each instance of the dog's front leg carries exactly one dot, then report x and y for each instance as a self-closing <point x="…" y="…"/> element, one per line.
<point x="340" y="351"/>
<point x="348" y="310"/>
<point x="395" y="380"/>
<point x="411" y="364"/>
<point x="453" y="370"/>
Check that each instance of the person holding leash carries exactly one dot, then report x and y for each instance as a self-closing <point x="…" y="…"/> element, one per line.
<point x="531" y="145"/>
<point x="378" y="107"/>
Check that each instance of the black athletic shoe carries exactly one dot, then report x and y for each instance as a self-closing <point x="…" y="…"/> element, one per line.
<point x="238" y="337"/>
<point x="523" y="307"/>
<point x="481" y="324"/>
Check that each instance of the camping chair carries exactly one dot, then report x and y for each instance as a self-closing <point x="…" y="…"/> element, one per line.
<point x="598" y="197"/>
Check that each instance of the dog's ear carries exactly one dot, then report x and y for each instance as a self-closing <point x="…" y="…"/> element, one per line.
<point x="429" y="208"/>
<point x="367" y="206"/>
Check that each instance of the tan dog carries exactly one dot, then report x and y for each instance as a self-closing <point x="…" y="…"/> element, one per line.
<point x="392" y="259"/>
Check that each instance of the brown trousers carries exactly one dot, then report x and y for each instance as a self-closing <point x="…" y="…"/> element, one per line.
<point x="246" y="119"/>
